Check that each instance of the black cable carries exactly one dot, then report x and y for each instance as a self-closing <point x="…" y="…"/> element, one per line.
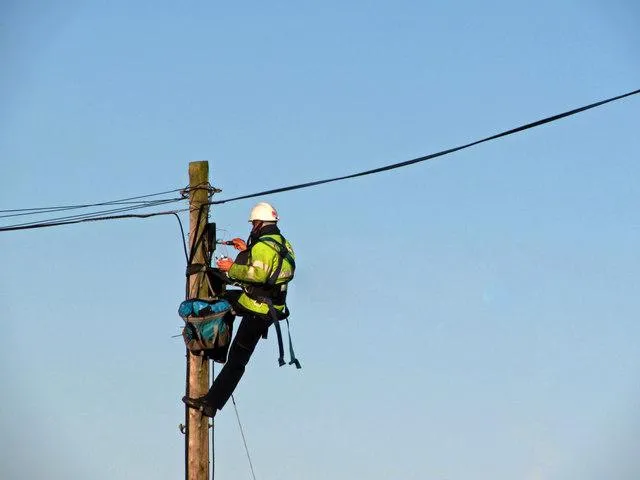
<point x="140" y="203"/>
<point x="84" y="216"/>
<point x="71" y="207"/>
<point x="93" y="219"/>
<point x="184" y="242"/>
<point x="92" y="216"/>
<point x="244" y="440"/>
<point x="101" y="212"/>
<point x="393" y="166"/>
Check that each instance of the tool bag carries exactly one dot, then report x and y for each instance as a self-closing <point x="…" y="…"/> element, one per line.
<point x="208" y="327"/>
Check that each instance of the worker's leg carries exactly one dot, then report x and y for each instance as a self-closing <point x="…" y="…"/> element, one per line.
<point x="249" y="332"/>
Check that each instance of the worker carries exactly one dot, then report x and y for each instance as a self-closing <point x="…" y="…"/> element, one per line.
<point x="263" y="268"/>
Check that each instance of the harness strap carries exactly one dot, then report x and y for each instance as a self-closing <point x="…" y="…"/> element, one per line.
<point x="282" y="252"/>
<point x="292" y="355"/>
<point x="274" y="317"/>
<point x="279" y="335"/>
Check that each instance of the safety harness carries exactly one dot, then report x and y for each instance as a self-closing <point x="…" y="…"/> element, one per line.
<point x="270" y="291"/>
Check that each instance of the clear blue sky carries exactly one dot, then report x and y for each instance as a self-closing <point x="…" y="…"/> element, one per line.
<point x="470" y="318"/>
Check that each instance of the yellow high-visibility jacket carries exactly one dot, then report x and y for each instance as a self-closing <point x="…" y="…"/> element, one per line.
<point x="264" y="269"/>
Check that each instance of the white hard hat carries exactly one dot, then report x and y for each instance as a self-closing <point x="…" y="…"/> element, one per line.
<point x="265" y="212"/>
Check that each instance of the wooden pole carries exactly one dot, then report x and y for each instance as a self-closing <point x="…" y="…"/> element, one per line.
<point x="197" y="464"/>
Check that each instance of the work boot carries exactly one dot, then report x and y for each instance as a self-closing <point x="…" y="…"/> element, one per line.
<point x="201" y="405"/>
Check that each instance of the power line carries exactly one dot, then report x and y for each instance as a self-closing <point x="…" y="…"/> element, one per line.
<point x="140" y="203"/>
<point x="104" y="214"/>
<point x="72" y="207"/>
<point x="92" y="219"/>
<point x="431" y="156"/>
<point x="101" y="215"/>
<point x="98" y="213"/>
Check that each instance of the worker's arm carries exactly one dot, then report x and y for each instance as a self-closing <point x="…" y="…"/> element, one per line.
<point x="258" y="270"/>
<point x="239" y="244"/>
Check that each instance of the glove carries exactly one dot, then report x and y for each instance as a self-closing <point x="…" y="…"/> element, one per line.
<point x="239" y="244"/>
<point x="224" y="264"/>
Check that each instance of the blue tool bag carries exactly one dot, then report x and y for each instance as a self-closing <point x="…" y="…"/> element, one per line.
<point x="208" y="327"/>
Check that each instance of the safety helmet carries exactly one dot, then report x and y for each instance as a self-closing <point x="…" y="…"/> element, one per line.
<point x="265" y="212"/>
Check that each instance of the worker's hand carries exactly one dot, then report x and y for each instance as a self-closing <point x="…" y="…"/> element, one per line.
<point x="224" y="264"/>
<point x="239" y="244"/>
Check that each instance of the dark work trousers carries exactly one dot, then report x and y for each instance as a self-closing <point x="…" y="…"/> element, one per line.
<point x="251" y="328"/>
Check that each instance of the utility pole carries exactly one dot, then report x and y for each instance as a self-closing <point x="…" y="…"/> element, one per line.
<point x="197" y="462"/>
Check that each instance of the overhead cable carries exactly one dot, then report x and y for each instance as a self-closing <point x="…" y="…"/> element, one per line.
<point x="91" y="219"/>
<point x="98" y="213"/>
<point x="135" y="204"/>
<point x="102" y="215"/>
<point x="88" y="205"/>
<point x="431" y="156"/>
